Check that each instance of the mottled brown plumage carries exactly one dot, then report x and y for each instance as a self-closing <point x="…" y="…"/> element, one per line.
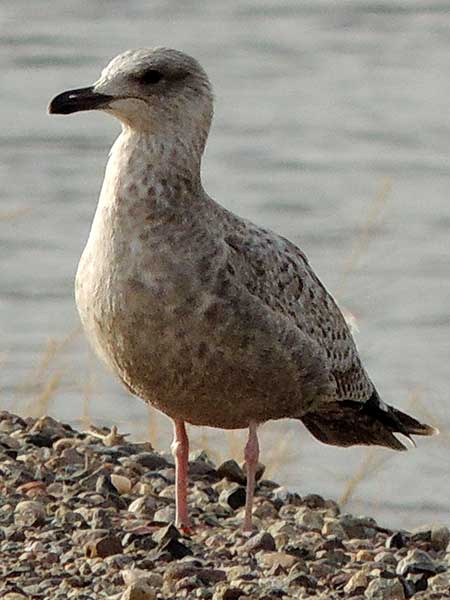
<point x="202" y="314"/>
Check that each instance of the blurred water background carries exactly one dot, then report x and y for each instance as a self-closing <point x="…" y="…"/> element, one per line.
<point x="332" y="127"/>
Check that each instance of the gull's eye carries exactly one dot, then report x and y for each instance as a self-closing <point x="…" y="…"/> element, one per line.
<point x="150" y="76"/>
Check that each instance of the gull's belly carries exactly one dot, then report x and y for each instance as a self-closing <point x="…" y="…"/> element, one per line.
<point x="182" y="351"/>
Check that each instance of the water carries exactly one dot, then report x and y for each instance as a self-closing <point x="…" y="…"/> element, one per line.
<point x="325" y="114"/>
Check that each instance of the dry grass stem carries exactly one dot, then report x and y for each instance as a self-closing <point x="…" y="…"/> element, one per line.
<point x="51" y="352"/>
<point x="369" y="465"/>
<point x="235" y="441"/>
<point x="362" y="241"/>
<point x="40" y="405"/>
<point x="280" y="454"/>
<point x="87" y="394"/>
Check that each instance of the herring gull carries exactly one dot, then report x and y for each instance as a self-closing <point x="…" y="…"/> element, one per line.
<point x="202" y="314"/>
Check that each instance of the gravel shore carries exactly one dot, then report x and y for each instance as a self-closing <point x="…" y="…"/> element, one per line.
<point x="89" y="515"/>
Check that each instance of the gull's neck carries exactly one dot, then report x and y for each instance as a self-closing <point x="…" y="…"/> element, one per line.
<point x="160" y="172"/>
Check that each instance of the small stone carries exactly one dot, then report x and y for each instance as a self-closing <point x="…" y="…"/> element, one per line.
<point x="34" y="547"/>
<point x="417" y="561"/>
<point x="31" y="487"/>
<point x="41" y="440"/>
<point x="314" y="501"/>
<point x="320" y="569"/>
<point x="104" y="486"/>
<point x="163" y="535"/>
<point x="150" y="460"/>
<point x="189" y="570"/>
<point x="438" y="536"/>
<point x="9" y="442"/>
<point x="165" y="515"/>
<point x="440" y="583"/>
<point x="261" y="541"/>
<point x="14" y="596"/>
<point x="121" y="483"/>
<point x="228" y="593"/>
<point x="233" y="496"/>
<point x="386" y="558"/>
<point x="358" y="527"/>
<point x="106" y="546"/>
<point x="29" y="513"/>
<point x="139" y="538"/>
<point x="333" y="527"/>
<point x="398" y="540"/>
<point x="275" y="559"/>
<point x="139" y="590"/>
<point x="363" y="556"/>
<point x="70" y="456"/>
<point x="201" y="465"/>
<point x="309" y="519"/>
<point x="232" y="471"/>
<point x="175" y="549"/>
<point x="81" y="537"/>
<point x="144" y="507"/>
<point x="385" y="589"/>
<point x="302" y="579"/>
<point x="356" y="584"/>
<point x="282" y="497"/>
<point x="154" y="580"/>
<point x="265" y="510"/>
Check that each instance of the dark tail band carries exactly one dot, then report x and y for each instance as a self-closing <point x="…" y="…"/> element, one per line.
<point x="347" y="423"/>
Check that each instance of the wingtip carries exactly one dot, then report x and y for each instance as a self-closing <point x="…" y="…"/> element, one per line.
<point x="433" y="430"/>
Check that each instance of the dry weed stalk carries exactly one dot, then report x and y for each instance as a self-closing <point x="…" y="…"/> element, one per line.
<point x="39" y="406"/>
<point x="41" y="381"/>
<point x="361" y="243"/>
<point x="368" y="467"/>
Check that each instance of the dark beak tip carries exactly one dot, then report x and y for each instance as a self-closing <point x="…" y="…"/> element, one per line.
<point x="52" y="108"/>
<point x="77" y="100"/>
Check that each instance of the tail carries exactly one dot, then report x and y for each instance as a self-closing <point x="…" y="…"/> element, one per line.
<point x="347" y="422"/>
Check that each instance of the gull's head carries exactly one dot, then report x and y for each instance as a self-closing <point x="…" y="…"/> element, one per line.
<point x="150" y="89"/>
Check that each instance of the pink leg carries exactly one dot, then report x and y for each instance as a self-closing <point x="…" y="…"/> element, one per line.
<point x="180" y="450"/>
<point x="251" y="459"/>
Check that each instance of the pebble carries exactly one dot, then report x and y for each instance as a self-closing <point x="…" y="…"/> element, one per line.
<point x="332" y="526"/>
<point x="399" y="539"/>
<point x="121" y="483"/>
<point x="363" y="556"/>
<point x="165" y="515"/>
<point x="103" y="547"/>
<point x="163" y="535"/>
<point x="356" y="584"/>
<point x="417" y="561"/>
<point x="228" y="593"/>
<point x="308" y="518"/>
<point x="385" y="589"/>
<point x="139" y="590"/>
<point x="438" y="536"/>
<point x="281" y="559"/>
<point x="150" y="460"/>
<point x="144" y="506"/>
<point x="234" y="497"/>
<point x="29" y="513"/>
<point x="232" y="471"/>
<point x="261" y="541"/>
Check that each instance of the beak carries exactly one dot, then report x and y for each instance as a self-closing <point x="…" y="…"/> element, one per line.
<point x="77" y="100"/>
